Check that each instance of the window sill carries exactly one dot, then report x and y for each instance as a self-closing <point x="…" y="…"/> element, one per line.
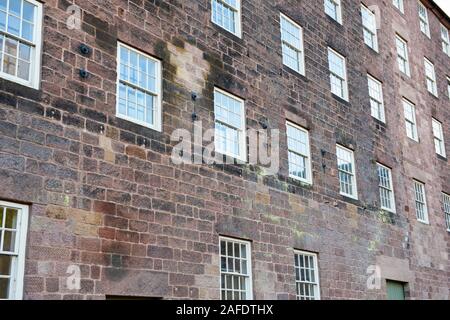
<point x="351" y="200"/>
<point x="380" y="122"/>
<point x="433" y="95"/>
<point x="335" y="22"/>
<point x="442" y="158"/>
<point x="20" y="90"/>
<point x="299" y="183"/>
<point x="139" y="123"/>
<point x="339" y="99"/>
<point x="294" y="73"/>
<point x="236" y="160"/>
<point x="390" y="211"/>
<point x="229" y="34"/>
<point x="373" y="51"/>
<point x="427" y="223"/>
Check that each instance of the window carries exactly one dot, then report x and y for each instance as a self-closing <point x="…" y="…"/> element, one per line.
<point x="334" y="10"/>
<point x="235" y="270"/>
<point x="399" y="5"/>
<point x="430" y="75"/>
<point x="423" y="17"/>
<point x="230" y="137"/>
<point x="299" y="153"/>
<point x="376" y="98"/>
<point x="421" y="202"/>
<point x="439" y="138"/>
<point x="13" y="233"/>
<point x="292" y="42"/>
<point x="139" y="87"/>
<point x="20" y="41"/>
<point x="395" y="290"/>
<point x="307" y="276"/>
<point x="338" y="74"/>
<point x="227" y="14"/>
<point x="402" y="55"/>
<point x="445" y="40"/>
<point x="387" y="198"/>
<point x="369" y="28"/>
<point x="410" y="119"/>
<point x="347" y="172"/>
<point x="446" y="201"/>
<point x="448" y="86"/>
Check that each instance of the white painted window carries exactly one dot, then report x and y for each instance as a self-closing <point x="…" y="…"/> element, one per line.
<point x="402" y="55"/>
<point x="439" y="142"/>
<point x="338" y="74"/>
<point x="307" y="276"/>
<point x="334" y="10"/>
<point x="13" y="237"/>
<point x="292" y="43"/>
<point x="421" y="202"/>
<point x="369" y="27"/>
<point x="139" y="88"/>
<point x="423" y="17"/>
<point x="299" y="153"/>
<point x="235" y="270"/>
<point x="448" y="86"/>
<point x="430" y="76"/>
<point x="230" y="136"/>
<point x="399" y="5"/>
<point x="227" y="14"/>
<point x="21" y="41"/>
<point x="376" y="98"/>
<point x="410" y="120"/>
<point x="347" y="172"/>
<point x="446" y="201"/>
<point x="445" y="40"/>
<point x="385" y="184"/>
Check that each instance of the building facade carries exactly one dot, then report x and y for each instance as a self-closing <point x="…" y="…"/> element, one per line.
<point x="93" y="205"/>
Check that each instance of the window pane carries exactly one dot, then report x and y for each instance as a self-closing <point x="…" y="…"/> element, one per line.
<point x="9" y="241"/>
<point x="27" y="31"/>
<point x="28" y="11"/>
<point x="11" y="219"/>
<point x="5" y="265"/>
<point x="4" y="288"/>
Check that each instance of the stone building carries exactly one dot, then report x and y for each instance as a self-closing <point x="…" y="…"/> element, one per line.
<point x="93" y="206"/>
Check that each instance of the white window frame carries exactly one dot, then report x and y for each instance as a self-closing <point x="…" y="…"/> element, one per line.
<point x="430" y="79"/>
<point x="248" y="246"/>
<point x="344" y="81"/>
<point x="390" y="189"/>
<point x="381" y="113"/>
<point x="412" y="122"/>
<point x="445" y="40"/>
<point x="338" y="6"/>
<point x="242" y="131"/>
<point x="157" y="126"/>
<point x="309" y="179"/>
<point x="238" y="18"/>
<point x="399" y="5"/>
<point x="17" y="275"/>
<point x="352" y="174"/>
<point x="420" y="189"/>
<point x="36" y="51"/>
<point x="446" y="207"/>
<point x="370" y="29"/>
<point x="439" y="141"/>
<point x="300" y="50"/>
<point x="448" y="87"/>
<point x="423" y="19"/>
<point x="316" y="284"/>
<point x="403" y="56"/>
